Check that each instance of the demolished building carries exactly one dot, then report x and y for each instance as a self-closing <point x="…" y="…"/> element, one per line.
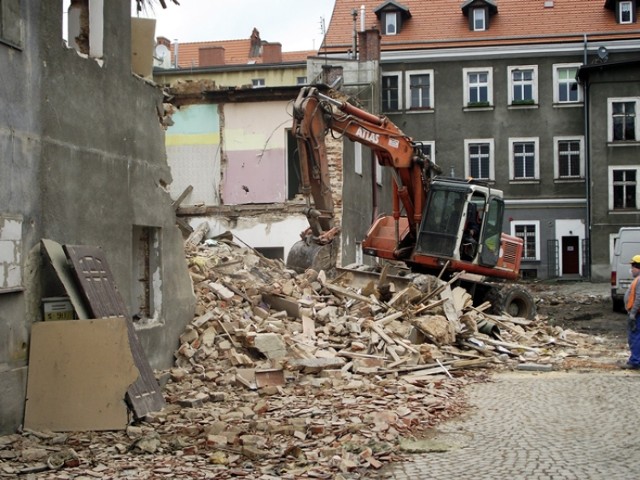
<point x="83" y="163"/>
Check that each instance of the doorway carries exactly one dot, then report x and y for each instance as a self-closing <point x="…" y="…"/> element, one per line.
<point x="570" y="255"/>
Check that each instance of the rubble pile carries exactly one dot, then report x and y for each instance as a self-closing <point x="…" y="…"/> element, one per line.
<point x="283" y="376"/>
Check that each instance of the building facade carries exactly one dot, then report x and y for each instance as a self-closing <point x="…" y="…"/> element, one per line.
<point x="611" y="101"/>
<point x="83" y="163"/>
<point x="494" y="95"/>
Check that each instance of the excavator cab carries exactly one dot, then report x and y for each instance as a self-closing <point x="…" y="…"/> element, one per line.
<point x="460" y="222"/>
<point x="462" y="225"/>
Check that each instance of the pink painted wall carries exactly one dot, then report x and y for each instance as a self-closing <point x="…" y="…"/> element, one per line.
<point x="251" y="178"/>
<point x="254" y="152"/>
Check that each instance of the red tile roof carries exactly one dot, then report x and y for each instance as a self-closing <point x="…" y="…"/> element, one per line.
<point x="236" y="52"/>
<point x="441" y="24"/>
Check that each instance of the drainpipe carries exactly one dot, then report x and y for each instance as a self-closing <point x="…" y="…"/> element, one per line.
<point x="175" y="52"/>
<point x="374" y="187"/>
<point x="587" y="162"/>
<point x="354" y="12"/>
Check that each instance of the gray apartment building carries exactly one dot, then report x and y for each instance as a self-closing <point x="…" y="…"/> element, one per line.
<point x="537" y="98"/>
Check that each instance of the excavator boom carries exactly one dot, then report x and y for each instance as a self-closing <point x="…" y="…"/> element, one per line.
<point x="314" y="115"/>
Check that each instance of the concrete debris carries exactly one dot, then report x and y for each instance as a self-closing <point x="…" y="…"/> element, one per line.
<point x="299" y="376"/>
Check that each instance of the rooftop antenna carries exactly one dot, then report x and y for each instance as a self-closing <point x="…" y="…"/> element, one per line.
<point x="175" y="51"/>
<point x="324" y="40"/>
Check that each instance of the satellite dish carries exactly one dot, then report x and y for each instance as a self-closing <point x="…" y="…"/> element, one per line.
<point x="161" y="56"/>
<point x="603" y="53"/>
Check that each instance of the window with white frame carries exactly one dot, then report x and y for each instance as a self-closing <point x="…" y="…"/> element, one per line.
<point x="378" y="171"/>
<point x="529" y="232"/>
<point x="359" y="254"/>
<point x="566" y="88"/>
<point x="479" y="19"/>
<point x="625" y="12"/>
<point x="569" y="157"/>
<point x="623" y="188"/>
<point x="479" y="159"/>
<point x="429" y="149"/>
<point x="257" y="82"/>
<point x="391" y="92"/>
<point x="357" y="157"/>
<point x="478" y="87"/>
<point x="391" y="23"/>
<point x="301" y="80"/>
<point x="419" y="88"/>
<point x="524" y="164"/>
<point x="523" y="85"/>
<point x="623" y="123"/>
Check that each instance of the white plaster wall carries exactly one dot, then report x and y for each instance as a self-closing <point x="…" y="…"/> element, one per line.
<point x="258" y="232"/>
<point x="198" y="166"/>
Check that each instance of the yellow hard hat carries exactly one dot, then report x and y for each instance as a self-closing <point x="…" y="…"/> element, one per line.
<point x="636" y="259"/>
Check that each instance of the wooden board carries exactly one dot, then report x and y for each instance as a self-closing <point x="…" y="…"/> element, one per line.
<point x="96" y="281"/>
<point x="104" y="300"/>
<point x="79" y="372"/>
<point x="59" y="262"/>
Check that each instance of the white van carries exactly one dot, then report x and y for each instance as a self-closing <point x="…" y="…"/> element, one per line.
<point x="626" y="244"/>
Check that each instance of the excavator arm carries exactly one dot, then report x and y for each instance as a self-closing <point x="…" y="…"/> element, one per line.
<point x="435" y="225"/>
<point x="315" y="115"/>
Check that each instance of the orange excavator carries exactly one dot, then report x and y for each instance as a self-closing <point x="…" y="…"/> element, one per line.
<point x="438" y="225"/>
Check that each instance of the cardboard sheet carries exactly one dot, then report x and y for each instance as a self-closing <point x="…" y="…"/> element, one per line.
<point x="79" y="373"/>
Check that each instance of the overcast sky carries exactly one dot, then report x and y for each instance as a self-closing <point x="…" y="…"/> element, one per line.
<point x="295" y="24"/>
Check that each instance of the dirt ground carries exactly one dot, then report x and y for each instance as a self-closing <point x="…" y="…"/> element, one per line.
<point x="584" y="307"/>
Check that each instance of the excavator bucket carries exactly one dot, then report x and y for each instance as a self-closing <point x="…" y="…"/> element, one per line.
<point x="307" y="254"/>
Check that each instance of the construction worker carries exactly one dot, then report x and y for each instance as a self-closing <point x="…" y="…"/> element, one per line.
<point x="632" y="304"/>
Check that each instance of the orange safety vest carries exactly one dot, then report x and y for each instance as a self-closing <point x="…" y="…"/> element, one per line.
<point x="632" y="293"/>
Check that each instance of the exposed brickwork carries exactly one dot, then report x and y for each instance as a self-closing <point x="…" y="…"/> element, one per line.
<point x="331" y="73"/>
<point x="334" y="158"/>
<point x="369" y="45"/>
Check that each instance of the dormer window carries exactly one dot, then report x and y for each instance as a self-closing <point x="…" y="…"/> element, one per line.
<point x="625" y="10"/>
<point x="478" y="12"/>
<point x="390" y="23"/>
<point x="479" y="19"/>
<point x="624" y="13"/>
<point x="392" y="15"/>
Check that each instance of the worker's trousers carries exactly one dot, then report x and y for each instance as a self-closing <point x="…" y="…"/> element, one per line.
<point x="634" y="344"/>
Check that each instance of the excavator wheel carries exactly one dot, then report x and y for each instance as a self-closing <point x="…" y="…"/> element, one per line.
<point x="307" y="254"/>
<point x="512" y="300"/>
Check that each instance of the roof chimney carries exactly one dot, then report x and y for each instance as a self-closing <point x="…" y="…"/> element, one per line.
<point x="163" y="41"/>
<point x="256" y="43"/>
<point x="212" y="56"/>
<point x="369" y="45"/>
<point x="272" y="53"/>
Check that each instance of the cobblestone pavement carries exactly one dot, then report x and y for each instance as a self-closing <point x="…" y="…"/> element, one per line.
<point x="538" y="426"/>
